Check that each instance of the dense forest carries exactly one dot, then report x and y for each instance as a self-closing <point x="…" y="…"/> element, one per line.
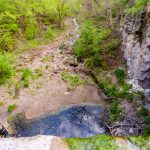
<point x="36" y="56"/>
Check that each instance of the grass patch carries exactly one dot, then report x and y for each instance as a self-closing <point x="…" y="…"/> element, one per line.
<point x="72" y="79"/>
<point x="6" y="68"/>
<point x="11" y="119"/>
<point x="49" y="34"/>
<point x="47" y="59"/>
<point x="11" y="108"/>
<point x="39" y="85"/>
<point x="99" y="142"/>
<point x="1" y="103"/>
<point x="120" y="75"/>
<point x="142" y="142"/>
<point x="26" y="77"/>
<point x="38" y="73"/>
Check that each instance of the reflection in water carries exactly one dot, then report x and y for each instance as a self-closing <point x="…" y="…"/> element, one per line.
<point x="77" y="121"/>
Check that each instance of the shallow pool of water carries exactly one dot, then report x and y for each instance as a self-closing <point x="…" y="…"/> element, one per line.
<point x="76" y="121"/>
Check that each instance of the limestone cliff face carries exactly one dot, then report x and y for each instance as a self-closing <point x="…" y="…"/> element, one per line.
<point x="135" y="31"/>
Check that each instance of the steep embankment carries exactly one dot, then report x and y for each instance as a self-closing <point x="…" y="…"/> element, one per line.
<point x="136" y="45"/>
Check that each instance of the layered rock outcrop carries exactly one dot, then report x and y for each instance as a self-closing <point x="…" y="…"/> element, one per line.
<point x="135" y="31"/>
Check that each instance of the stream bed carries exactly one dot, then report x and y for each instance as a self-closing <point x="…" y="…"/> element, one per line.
<point x="76" y="121"/>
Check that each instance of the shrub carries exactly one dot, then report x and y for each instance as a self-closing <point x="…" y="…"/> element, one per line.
<point x="38" y="72"/>
<point x="49" y="34"/>
<point x="11" y="119"/>
<point x="147" y="130"/>
<point x="143" y="111"/>
<point x="1" y="103"/>
<point x="11" y="108"/>
<point x="147" y="119"/>
<point x="31" y="32"/>
<point x="72" y="79"/>
<point x="115" y="111"/>
<point x="6" y="68"/>
<point x="18" y="121"/>
<point x="138" y="6"/>
<point x="120" y="75"/>
<point x="8" y="30"/>
<point x="130" y="97"/>
<point x="94" y="44"/>
<point x="26" y="76"/>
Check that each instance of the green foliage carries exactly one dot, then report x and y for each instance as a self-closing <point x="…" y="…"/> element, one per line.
<point x="26" y="73"/>
<point x="47" y="58"/>
<point x="130" y="97"/>
<point x="141" y="142"/>
<point x="11" y="119"/>
<point x="11" y="108"/>
<point x="38" y="72"/>
<point x="1" y="103"/>
<point x="49" y="34"/>
<point x="26" y="76"/>
<point x="28" y="20"/>
<point x="72" y="79"/>
<point x="143" y="111"/>
<point x="98" y="142"/>
<point x="118" y="6"/>
<point x="120" y="75"/>
<point x="94" y="44"/>
<point x="117" y="93"/>
<point x="147" y="119"/>
<point x="61" y="10"/>
<point x="147" y="130"/>
<point x="31" y="32"/>
<point x="115" y="111"/>
<point x="138" y="6"/>
<point x="6" y="68"/>
<point x="113" y="91"/>
<point x="19" y="121"/>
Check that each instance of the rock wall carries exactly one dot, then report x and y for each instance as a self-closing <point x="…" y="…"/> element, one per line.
<point x="135" y="31"/>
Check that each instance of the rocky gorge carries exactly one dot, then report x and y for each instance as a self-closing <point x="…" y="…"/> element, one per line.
<point x="66" y="102"/>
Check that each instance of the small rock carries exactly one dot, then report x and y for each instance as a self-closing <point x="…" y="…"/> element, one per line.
<point x="131" y="131"/>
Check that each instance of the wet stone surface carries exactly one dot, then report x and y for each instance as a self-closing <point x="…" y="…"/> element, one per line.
<point x="76" y="121"/>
